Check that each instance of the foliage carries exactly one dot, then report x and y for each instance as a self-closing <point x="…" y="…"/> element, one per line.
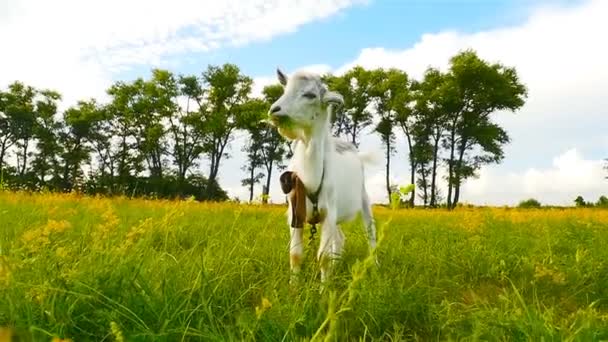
<point x="529" y="203"/>
<point x="90" y="269"/>
<point x="356" y="87"/>
<point x="398" y="195"/>
<point x="386" y="88"/>
<point x="227" y="96"/>
<point x="474" y="90"/>
<point x="579" y="201"/>
<point x="164" y="128"/>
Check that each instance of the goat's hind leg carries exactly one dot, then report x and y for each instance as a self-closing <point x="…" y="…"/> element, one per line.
<point x="369" y="221"/>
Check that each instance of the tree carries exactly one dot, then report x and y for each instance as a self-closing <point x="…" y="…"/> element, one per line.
<point x="21" y="112"/>
<point x="253" y="113"/>
<point x="389" y="92"/>
<point x="77" y="139"/>
<point x="265" y="147"/>
<point x="7" y="132"/>
<point x="140" y="110"/>
<point x="579" y="201"/>
<point x="384" y="89"/>
<point x="46" y="132"/>
<point x="154" y="104"/>
<point x="123" y="111"/>
<point x="228" y="91"/>
<point x="422" y="155"/>
<point x="602" y="202"/>
<point x="475" y="90"/>
<point x="529" y="203"/>
<point x="186" y="125"/>
<point x="100" y="138"/>
<point x="356" y="88"/>
<point x="432" y="102"/>
<point x="273" y="144"/>
<point x="402" y="105"/>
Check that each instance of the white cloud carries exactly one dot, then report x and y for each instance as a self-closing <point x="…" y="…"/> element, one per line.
<point x="75" y="46"/>
<point x="569" y="176"/>
<point x="558" y="54"/>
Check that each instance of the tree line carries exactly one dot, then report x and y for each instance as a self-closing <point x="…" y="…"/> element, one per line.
<point x="150" y="138"/>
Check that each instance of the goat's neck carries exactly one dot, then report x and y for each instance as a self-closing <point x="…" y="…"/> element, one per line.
<point x="313" y="152"/>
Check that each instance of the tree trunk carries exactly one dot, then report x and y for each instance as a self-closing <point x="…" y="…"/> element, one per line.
<point x="388" y="165"/>
<point x="2" y="152"/>
<point x="266" y="189"/>
<point x="425" y="194"/>
<point x="412" y="181"/>
<point x="67" y="186"/>
<point x="412" y="164"/>
<point x="451" y="168"/>
<point x="433" y="202"/>
<point x="212" y="168"/>
<point x="458" y="173"/>
<point x="22" y="171"/>
<point x="251" y="179"/>
<point x="216" y="157"/>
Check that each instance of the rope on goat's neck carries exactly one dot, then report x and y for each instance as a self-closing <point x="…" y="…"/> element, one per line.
<point x="314" y="197"/>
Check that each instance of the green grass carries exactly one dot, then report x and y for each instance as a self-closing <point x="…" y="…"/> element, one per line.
<point x="97" y="270"/>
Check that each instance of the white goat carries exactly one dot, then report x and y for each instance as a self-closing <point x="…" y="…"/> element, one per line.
<point x="327" y="167"/>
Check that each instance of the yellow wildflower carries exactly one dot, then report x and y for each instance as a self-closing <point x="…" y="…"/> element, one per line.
<point x="541" y="271"/>
<point x="61" y="252"/>
<point x="6" y="334"/>
<point x="57" y="339"/>
<point x="116" y="332"/>
<point x="5" y="272"/>
<point x="260" y="309"/>
<point x="53" y="226"/>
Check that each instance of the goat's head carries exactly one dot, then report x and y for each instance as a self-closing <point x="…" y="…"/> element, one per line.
<point x="303" y="104"/>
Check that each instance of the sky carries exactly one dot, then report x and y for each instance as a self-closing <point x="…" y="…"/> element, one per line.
<point x="559" y="138"/>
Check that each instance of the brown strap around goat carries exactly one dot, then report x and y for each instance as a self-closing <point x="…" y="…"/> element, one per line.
<point x="293" y="186"/>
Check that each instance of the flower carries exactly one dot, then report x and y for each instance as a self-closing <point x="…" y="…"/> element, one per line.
<point x="260" y="309"/>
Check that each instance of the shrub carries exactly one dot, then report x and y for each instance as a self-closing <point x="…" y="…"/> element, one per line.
<point x="602" y="202"/>
<point x="529" y="203"/>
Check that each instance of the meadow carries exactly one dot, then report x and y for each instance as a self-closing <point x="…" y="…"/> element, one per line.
<point x="96" y="269"/>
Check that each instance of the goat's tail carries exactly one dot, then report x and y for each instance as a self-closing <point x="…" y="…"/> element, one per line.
<point x="372" y="158"/>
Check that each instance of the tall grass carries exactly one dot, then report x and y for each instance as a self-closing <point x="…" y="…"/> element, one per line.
<point x="93" y="269"/>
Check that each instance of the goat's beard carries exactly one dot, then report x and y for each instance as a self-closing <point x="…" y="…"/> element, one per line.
<point x="290" y="132"/>
<point x="289" y="129"/>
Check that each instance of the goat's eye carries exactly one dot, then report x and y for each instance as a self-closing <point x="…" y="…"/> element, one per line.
<point x="309" y="96"/>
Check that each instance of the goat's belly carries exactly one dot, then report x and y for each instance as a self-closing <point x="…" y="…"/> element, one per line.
<point x="349" y="192"/>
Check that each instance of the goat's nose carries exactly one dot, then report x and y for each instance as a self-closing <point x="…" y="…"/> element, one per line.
<point x="275" y="109"/>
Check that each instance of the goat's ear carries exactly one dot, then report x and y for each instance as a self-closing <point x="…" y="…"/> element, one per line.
<point x="286" y="180"/>
<point x="281" y="76"/>
<point x="331" y="97"/>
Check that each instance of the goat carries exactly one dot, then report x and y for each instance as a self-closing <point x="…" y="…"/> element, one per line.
<point x="328" y="170"/>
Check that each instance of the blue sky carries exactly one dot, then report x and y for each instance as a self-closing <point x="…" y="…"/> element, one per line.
<point x="391" y="24"/>
<point x="558" y="138"/>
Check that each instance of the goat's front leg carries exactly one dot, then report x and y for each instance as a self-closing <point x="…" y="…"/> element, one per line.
<point x="296" y="251"/>
<point x="330" y="248"/>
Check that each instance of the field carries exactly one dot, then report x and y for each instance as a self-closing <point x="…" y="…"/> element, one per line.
<point x="93" y="269"/>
